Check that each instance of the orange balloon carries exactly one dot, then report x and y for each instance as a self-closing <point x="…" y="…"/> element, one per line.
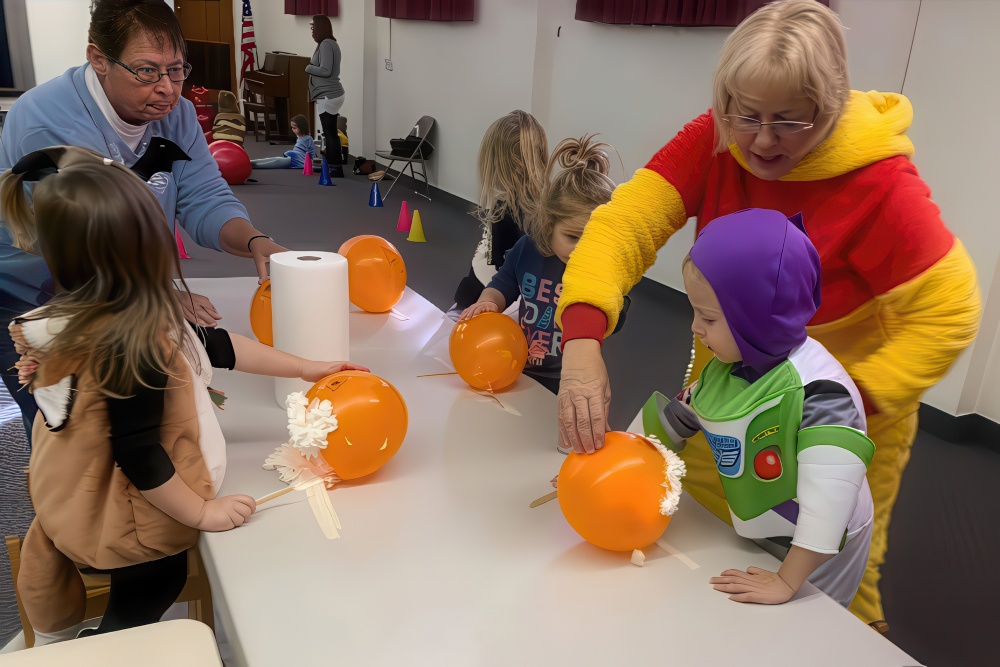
<point x="260" y="314"/>
<point x="371" y="422"/>
<point x="376" y="274"/>
<point x="488" y="351"/>
<point x="612" y="497"/>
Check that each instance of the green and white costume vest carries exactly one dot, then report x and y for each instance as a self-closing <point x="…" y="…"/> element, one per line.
<point x="781" y="477"/>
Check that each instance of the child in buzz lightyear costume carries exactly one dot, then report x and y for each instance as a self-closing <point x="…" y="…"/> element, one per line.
<point x="784" y="421"/>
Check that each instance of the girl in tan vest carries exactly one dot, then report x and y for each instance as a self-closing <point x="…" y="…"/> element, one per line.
<point x="127" y="455"/>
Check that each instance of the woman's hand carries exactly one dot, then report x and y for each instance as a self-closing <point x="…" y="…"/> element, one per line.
<point x="198" y="309"/>
<point x="314" y="371"/>
<point x="754" y="585"/>
<point x="584" y="397"/>
<point x="261" y="249"/>
<point x="477" y="308"/>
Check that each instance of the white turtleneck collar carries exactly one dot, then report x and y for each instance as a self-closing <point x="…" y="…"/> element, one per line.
<point x="130" y="134"/>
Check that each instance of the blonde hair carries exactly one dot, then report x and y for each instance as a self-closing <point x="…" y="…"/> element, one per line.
<point x="511" y="168"/>
<point x="573" y="194"/>
<point x="798" y="42"/>
<point x="113" y="260"/>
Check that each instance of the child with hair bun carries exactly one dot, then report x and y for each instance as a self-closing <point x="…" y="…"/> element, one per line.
<point x="534" y="266"/>
<point x="511" y="172"/>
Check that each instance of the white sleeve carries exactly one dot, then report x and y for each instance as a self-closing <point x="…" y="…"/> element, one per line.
<point x="829" y="481"/>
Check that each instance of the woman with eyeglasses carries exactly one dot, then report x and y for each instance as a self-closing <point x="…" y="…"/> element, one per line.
<point x="786" y="132"/>
<point x="125" y="103"/>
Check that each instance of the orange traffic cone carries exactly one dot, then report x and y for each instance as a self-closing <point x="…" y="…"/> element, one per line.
<point x="416" y="229"/>
<point x="181" y="252"/>
<point x="404" y="218"/>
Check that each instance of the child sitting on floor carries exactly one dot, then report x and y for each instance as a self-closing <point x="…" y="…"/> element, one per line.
<point x="534" y="266"/>
<point x="304" y="149"/>
<point x="127" y="454"/>
<point x="785" y="422"/>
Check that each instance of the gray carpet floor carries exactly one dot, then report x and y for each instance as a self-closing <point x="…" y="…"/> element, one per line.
<point x="937" y="586"/>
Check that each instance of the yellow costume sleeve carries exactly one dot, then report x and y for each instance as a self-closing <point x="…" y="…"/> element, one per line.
<point x="927" y="322"/>
<point x="620" y="243"/>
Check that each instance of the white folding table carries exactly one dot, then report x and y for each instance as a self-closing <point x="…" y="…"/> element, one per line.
<point x="441" y="561"/>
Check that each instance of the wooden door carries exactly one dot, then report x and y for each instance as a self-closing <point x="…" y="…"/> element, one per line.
<point x="209" y="28"/>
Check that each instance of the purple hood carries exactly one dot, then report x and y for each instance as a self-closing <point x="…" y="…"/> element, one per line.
<point x="766" y="274"/>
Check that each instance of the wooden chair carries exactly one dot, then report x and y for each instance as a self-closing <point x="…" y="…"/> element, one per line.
<point x="196" y="592"/>
<point x="257" y="104"/>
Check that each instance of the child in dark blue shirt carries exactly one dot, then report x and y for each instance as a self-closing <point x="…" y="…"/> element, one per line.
<point x="533" y="267"/>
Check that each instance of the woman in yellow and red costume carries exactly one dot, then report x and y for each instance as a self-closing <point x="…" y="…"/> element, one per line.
<point x="899" y="292"/>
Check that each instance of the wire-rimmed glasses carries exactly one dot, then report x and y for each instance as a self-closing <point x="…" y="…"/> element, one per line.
<point x="781" y="128"/>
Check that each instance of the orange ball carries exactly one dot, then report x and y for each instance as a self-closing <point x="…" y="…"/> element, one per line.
<point x="612" y="497"/>
<point x="376" y="274"/>
<point x="371" y="422"/>
<point x="260" y="314"/>
<point x="488" y="351"/>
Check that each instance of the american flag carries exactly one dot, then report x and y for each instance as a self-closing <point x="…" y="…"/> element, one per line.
<point x="249" y="47"/>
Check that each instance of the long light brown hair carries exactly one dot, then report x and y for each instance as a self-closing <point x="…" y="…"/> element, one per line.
<point x="511" y="167"/>
<point x="572" y="195"/>
<point x="113" y="260"/>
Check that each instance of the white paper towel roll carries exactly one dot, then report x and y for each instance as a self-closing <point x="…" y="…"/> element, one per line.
<point x="309" y="307"/>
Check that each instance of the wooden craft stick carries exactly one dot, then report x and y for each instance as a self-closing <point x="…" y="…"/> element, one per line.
<point x="434" y="375"/>
<point x="544" y="499"/>
<point x="271" y="496"/>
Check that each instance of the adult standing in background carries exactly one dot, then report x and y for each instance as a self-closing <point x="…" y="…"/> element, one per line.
<point x="899" y="294"/>
<point x="125" y="103"/>
<point x="325" y="88"/>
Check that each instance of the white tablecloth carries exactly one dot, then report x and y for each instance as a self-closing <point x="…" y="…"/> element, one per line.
<point x="441" y="562"/>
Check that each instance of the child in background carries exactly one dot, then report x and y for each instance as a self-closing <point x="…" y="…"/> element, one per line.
<point x="511" y="170"/>
<point x="785" y="422"/>
<point x="534" y="267"/>
<point x="127" y="454"/>
<point x="304" y="149"/>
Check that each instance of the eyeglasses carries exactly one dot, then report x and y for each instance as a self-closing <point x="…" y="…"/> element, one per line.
<point x="153" y="75"/>
<point x="780" y="128"/>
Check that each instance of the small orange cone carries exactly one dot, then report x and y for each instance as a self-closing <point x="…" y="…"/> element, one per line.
<point x="416" y="229"/>
<point x="181" y="252"/>
<point x="403" y="225"/>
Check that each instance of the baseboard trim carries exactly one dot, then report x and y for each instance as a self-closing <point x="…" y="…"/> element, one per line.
<point x="971" y="429"/>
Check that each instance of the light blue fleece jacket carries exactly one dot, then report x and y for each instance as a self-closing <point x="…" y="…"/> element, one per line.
<point x="63" y="112"/>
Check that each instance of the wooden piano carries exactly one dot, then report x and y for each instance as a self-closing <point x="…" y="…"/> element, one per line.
<point x="285" y="84"/>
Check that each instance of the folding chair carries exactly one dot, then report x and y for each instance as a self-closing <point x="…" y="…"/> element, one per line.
<point x="422" y="129"/>
<point x="196" y="592"/>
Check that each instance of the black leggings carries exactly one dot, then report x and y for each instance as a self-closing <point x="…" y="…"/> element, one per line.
<point x="141" y="594"/>
<point x="334" y="154"/>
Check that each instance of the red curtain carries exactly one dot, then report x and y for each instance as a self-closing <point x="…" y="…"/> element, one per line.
<point x="670" y="12"/>
<point x="312" y="7"/>
<point x="427" y="10"/>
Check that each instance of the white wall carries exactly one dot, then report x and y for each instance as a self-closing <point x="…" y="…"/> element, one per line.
<point x="58" y="33"/>
<point x="277" y="31"/>
<point x="464" y="74"/>
<point x="951" y="81"/>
